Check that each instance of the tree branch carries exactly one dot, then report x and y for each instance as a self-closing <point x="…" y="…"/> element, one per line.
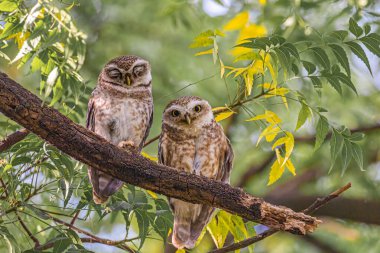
<point x="254" y="170"/>
<point x="91" y="240"/>
<point x="23" y="225"/>
<point x="83" y="145"/>
<point x="312" y="208"/>
<point x="12" y="139"/>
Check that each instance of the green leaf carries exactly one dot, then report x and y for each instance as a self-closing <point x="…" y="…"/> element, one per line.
<point x="310" y="67"/>
<point x="316" y="82"/>
<point x="346" y="155"/>
<point x="341" y="56"/>
<point x="283" y="57"/>
<point x="291" y="49"/>
<point x="354" y="28"/>
<point x="8" y="6"/>
<point x="295" y="69"/>
<point x="61" y="244"/>
<point x="11" y="28"/>
<point x="218" y="230"/>
<point x="367" y="29"/>
<point x="339" y="34"/>
<point x="303" y="115"/>
<point x="336" y="145"/>
<point x="372" y="44"/>
<point x="357" y="153"/>
<point x="57" y="92"/>
<point x="143" y="224"/>
<point x="346" y="80"/>
<point x="321" y="57"/>
<point x="357" y="137"/>
<point x="334" y="81"/>
<point x="359" y="52"/>
<point x="322" y="130"/>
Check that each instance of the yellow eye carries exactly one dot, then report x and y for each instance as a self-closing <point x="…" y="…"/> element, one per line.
<point x="175" y="113"/>
<point x="198" y="108"/>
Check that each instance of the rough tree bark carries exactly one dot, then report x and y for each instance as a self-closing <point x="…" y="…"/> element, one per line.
<point x="83" y="145"/>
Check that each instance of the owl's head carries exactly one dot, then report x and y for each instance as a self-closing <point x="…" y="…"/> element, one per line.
<point x="188" y="112"/>
<point x="126" y="72"/>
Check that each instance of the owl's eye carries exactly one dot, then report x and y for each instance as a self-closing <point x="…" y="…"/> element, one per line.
<point x="114" y="73"/>
<point x="139" y="70"/>
<point x="175" y="113"/>
<point x="198" y="108"/>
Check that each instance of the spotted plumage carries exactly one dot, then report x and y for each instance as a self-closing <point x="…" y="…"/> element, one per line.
<point x="192" y="141"/>
<point x="121" y="111"/>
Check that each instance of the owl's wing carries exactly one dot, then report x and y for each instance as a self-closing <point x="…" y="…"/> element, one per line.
<point x="161" y="150"/>
<point x="90" y="121"/>
<point x="226" y="164"/>
<point x="103" y="185"/>
<point x="206" y="211"/>
<point x="148" y="127"/>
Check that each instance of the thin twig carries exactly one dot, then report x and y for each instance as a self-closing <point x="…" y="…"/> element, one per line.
<point x="254" y="170"/>
<point x="312" y="208"/>
<point x="12" y="139"/>
<point x="30" y="234"/>
<point x="88" y="240"/>
<point x="72" y="222"/>
<point x="94" y="237"/>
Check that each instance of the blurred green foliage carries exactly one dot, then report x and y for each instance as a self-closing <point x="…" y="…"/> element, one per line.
<point x="325" y="60"/>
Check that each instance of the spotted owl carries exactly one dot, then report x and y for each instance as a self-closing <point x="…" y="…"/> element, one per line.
<point x="121" y="111"/>
<point x="192" y="141"/>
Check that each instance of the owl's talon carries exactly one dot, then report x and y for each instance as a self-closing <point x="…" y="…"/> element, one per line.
<point x="127" y="145"/>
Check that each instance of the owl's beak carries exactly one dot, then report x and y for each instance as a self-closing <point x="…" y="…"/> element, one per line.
<point x="128" y="81"/>
<point x="188" y="120"/>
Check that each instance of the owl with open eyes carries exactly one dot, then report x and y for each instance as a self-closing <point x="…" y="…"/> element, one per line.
<point x="192" y="141"/>
<point x="121" y="111"/>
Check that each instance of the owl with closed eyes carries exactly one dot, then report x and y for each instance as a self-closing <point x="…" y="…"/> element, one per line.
<point x="121" y="111"/>
<point x="192" y="141"/>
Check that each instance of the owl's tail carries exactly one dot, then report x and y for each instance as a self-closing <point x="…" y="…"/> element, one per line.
<point x="181" y="233"/>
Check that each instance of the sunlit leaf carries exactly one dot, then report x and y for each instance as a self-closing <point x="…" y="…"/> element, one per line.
<point x="237" y="22"/>
<point x="224" y="115"/>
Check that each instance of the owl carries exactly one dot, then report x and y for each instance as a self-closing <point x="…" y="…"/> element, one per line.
<point x="121" y="111"/>
<point x="192" y="141"/>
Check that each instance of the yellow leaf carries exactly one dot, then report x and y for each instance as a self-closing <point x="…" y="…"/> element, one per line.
<point x="219" y="108"/>
<point x="239" y="21"/>
<point x="222" y="70"/>
<point x="279" y="142"/>
<point x="152" y="158"/>
<point x="262" y="2"/>
<point x="291" y="167"/>
<point x="180" y="251"/>
<point x="249" y="31"/>
<point x="289" y="146"/>
<point x="276" y="172"/>
<point x="152" y="194"/>
<point x="223" y="115"/>
<point x="269" y="116"/>
<point x="269" y="133"/>
<point x="209" y="51"/>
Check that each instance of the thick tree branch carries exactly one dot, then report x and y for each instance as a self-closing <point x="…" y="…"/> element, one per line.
<point x="83" y="145"/>
<point x="312" y="208"/>
<point x="12" y="139"/>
